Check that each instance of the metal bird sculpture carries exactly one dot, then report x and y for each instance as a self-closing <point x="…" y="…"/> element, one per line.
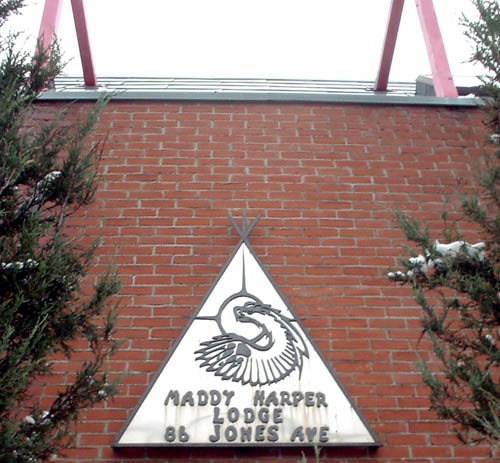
<point x="258" y="345"/>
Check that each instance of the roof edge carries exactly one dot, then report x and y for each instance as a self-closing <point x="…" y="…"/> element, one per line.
<point x="261" y="96"/>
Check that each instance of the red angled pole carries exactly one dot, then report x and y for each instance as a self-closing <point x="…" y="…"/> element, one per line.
<point x="83" y="43"/>
<point x="50" y="22"/>
<point x="391" y="35"/>
<point x="441" y="74"/>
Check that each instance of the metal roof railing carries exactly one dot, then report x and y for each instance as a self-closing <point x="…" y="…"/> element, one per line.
<point x="176" y="84"/>
<point x="297" y="90"/>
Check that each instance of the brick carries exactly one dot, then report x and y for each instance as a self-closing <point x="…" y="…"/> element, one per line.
<point x="325" y="178"/>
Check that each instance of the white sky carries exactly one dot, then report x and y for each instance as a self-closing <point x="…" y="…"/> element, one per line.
<point x="311" y="39"/>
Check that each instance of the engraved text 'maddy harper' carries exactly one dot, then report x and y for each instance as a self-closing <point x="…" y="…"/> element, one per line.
<point x="213" y="398"/>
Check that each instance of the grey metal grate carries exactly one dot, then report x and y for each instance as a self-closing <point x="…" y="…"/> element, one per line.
<point x="214" y="85"/>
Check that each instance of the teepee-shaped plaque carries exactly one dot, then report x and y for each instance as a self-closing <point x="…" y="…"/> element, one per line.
<point x="245" y="372"/>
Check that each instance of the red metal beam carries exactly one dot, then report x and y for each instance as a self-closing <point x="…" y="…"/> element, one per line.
<point x="441" y="74"/>
<point x="391" y="35"/>
<point x="83" y="43"/>
<point x="50" y="22"/>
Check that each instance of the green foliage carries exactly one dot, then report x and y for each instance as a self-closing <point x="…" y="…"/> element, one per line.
<point x="459" y="290"/>
<point x="459" y="295"/>
<point x="47" y="172"/>
<point x="317" y="452"/>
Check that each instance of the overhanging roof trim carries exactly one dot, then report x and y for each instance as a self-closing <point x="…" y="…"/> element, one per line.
<point x="177" y="88"/>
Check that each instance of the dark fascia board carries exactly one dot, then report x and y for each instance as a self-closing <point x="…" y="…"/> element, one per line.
<point x="379" y="99"/>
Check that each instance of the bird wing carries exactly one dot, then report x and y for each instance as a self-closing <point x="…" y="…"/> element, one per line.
<point x="232" y="359"/>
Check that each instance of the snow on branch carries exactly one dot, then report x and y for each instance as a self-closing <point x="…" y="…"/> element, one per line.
<point x="47" y="182"/>
<point x="424" y="263"/>
<point x="28" y="264"/>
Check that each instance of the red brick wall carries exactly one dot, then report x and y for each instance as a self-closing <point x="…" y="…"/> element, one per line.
<point x="326" y="178"/>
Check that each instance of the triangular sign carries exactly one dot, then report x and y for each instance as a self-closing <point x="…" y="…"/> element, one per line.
<point x="245" y="372"/>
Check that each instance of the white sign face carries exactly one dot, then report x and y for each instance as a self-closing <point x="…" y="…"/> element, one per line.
<point x="245" y="373"/>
